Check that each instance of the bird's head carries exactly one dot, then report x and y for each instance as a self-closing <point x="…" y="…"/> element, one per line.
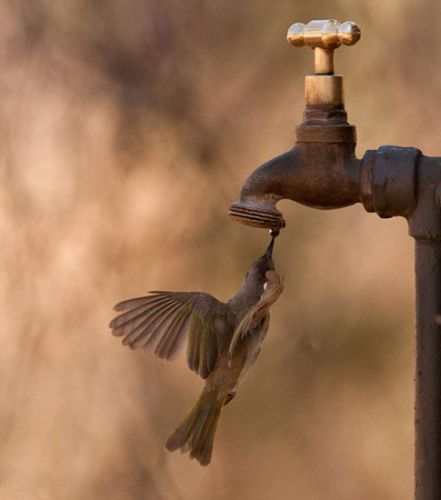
<point x="253" y="285"/>
<point x="256" y="274"/>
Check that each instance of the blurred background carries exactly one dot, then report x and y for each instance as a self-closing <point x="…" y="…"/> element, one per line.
<point x="127" y="128"/>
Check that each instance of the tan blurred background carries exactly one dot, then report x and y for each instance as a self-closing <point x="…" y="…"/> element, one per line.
<point x="127" y="128"/>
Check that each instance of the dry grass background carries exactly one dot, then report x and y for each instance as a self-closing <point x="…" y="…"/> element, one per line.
<point x="127" y="128"/>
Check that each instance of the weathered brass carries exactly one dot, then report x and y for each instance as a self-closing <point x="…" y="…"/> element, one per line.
<point x="324" y="37"/>
<point x="324" y="89"/>
<point x="323" y="61"/>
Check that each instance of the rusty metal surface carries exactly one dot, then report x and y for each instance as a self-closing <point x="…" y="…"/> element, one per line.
<point x="257" y="215"/>
<point x="322" y="171"/>
<point x="428" y="371"/>
<point x="388" y="180"/>
<point x="425" y="220"/>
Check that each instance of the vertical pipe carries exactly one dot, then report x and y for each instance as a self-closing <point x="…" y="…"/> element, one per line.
<point x="428" y="371"/>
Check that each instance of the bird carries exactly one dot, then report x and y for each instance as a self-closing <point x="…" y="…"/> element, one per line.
<point x="223" y="342"/>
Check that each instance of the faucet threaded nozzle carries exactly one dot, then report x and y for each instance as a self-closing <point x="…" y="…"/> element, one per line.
<point x="252" y="214"/>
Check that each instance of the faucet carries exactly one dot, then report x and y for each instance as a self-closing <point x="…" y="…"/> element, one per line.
<point x="322" y="171"/>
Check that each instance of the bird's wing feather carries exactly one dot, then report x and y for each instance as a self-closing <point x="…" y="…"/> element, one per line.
<point x="162" y="321"/>
<point x="258" y="315"/>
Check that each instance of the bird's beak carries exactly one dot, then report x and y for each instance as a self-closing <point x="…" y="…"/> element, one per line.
<point x="269" y="250"/>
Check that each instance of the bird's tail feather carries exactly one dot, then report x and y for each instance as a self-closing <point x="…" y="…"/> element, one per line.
<point x="196" y="433"/>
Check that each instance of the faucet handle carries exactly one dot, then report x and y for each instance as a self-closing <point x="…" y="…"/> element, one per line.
<point x="324" y="36"/>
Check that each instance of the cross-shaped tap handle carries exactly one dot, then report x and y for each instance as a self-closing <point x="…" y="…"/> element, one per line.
<point x="324" y="37"/>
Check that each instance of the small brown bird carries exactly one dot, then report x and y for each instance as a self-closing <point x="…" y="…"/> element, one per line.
<point x="223" y="342"/>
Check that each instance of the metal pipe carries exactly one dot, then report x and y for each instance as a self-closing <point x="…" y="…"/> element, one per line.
<point x="428" y="370"/>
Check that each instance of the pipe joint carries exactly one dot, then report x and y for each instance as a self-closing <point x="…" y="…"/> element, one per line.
<point x="388" y="180"/>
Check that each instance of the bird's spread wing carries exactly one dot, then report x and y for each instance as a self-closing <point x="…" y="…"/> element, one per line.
<point x="258" y="315"/>
<point x="162" y="321"/>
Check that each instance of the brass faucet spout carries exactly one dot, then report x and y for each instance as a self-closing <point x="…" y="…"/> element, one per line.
<point x="319" y="175"/>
